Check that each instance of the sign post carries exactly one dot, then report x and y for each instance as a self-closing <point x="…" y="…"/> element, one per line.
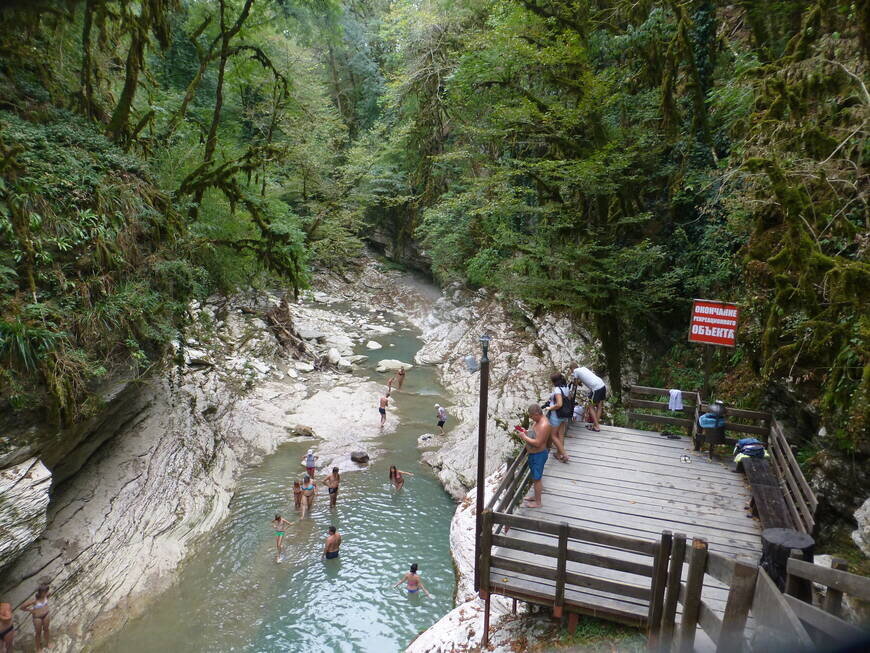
<point x="714" y="323"/>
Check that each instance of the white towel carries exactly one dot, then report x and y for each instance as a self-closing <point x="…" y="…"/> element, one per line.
<point x="676" y="399"/>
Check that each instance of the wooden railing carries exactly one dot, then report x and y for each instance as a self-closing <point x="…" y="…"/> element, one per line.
<point x="737" y="420"/>
<point x="799" y="497"/>
<point x="639" y="396"/>
<point x="781" y="621"/>
<point x="567" y="547"/>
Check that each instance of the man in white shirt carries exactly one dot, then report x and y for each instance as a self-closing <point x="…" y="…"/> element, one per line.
<point x="597" y="393"/>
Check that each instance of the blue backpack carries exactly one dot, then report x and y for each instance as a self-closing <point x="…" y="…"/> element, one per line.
<point x="750" y="447"/>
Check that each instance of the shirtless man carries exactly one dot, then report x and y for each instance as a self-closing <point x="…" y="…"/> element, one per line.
<point x="332" y="481"/>
<point x="400" y="377"/>
<point x="382" y="408"/>
<point x="536" y="447"/>
<point x="333" y="541"/>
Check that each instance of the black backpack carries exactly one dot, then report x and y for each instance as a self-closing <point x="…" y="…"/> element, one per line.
<point x="567" y="409"/>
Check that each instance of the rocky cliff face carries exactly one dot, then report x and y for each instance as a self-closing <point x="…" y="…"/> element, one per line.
<point x="158" y="469"/>
<point x="24" y="494"/>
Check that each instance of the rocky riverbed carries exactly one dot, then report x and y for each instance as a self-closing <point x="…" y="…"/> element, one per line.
<point x="157" y="471"/>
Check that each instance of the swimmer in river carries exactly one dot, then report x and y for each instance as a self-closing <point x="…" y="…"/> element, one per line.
<point x="297" y="494"/>
<point x="309" y="487"/>
<point x="279" y="524"/>
<point x="390" y="383"/>
<point x="382" y="408"/>
<point x="332" y="481"/>
<point x="397" y="477"/>
<point x="412" y="578"/>
<point x="333" y="542"/>
<point x="400" y="378"/>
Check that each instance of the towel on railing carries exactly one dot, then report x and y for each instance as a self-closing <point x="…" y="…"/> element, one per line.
<point x="675" y="402"/>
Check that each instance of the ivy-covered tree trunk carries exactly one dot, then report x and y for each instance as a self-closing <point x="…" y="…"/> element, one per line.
<point x="121" y="116"/>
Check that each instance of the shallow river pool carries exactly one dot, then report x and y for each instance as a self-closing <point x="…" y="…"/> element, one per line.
<point x="233" y="596"/>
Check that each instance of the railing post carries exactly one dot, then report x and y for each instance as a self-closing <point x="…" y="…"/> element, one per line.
<point x="657" y="589"/>
<point x="833" y="602"/>
<point x="740" y="593"/>
<point x="485" y="552"/>
<point x="675" y="579"/>
<point x="561" y="570"/>
<point x="692" y="603"/>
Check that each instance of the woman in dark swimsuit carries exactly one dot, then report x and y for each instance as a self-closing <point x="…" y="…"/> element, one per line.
<point x="397" y="477"/>
<point x="7" y="627"/>
<point x="38" y="609"/>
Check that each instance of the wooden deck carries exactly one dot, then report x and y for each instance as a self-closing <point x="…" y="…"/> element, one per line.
<point x="631" y="483"/>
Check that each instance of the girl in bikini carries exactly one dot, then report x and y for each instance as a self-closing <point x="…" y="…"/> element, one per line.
<point x="309" y="487"/>
<point x="38" y="609"/>
<point x="397" y="477"/>
<point x="7" y="627"/>
<point x="413" y="581"/>
<point x="279" y="523"/>
<point x="297" y="494"/>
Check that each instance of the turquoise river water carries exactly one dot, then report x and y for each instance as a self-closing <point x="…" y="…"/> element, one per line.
<point x="231" y="594"/>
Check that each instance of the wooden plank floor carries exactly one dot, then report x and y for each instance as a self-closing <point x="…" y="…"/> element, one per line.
<point x="632" y="482"/>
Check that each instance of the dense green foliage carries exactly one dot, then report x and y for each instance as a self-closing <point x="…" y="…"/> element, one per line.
<point x="615" y="159"/>
<point x="611" y="159"/>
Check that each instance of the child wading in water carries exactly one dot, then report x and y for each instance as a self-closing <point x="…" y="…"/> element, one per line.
<point x="413" y="580"/>
<point x="297" y="494"/>
<point x="38" y="609"/>
<point x="279" y="523"/>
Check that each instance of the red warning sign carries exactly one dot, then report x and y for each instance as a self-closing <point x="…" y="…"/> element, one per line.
<point x="713" y="322"/>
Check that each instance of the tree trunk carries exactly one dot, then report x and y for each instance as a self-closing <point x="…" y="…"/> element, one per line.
<point x="121" y="115"/>
<point x="610" y="334"/>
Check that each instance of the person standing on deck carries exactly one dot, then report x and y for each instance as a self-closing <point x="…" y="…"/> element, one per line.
<point x="333" y="542"/>
<point x="558" y="404"/>
<point x="536" y="447"/>
<point x="442" y="416"/>
<point x="332" y="482"/>
<point x="597" y="393"/>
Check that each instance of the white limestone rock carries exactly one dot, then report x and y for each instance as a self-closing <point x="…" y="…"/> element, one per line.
<point x="391" y="365"/>
<point x="861" y="536"/>
<point x="333" y="356"/>
<point x="24" y="495"/>
<point x="372" y="344"/>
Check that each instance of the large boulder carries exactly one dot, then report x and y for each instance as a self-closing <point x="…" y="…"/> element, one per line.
<point x="359" y="456"/>
<point x="333" y="356"/>
<point x="24" y="498"/>
<point x="861" y="536"/>
<point x="391" y="365"/>
<point x="372" y="344"/>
